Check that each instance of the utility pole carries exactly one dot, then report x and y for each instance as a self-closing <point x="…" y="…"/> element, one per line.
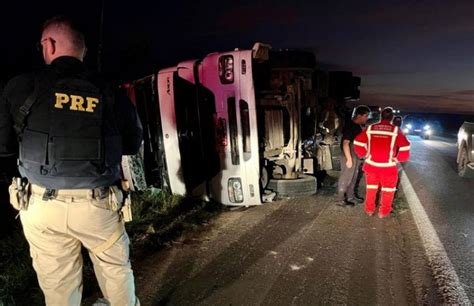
<point x="100" y="46"/>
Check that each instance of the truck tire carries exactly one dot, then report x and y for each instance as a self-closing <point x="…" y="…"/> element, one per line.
<point x="304" y="186"/>
<point x="462" y="165"/>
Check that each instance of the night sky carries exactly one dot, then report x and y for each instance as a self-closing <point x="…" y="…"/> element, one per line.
<point x="415" y="55"/>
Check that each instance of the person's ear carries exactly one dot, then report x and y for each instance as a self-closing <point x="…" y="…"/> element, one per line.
<point x="52" y="44"/>
<point x="49" y="46"/>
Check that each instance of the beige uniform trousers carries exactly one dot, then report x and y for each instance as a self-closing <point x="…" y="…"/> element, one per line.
<point x="55" y="230"/>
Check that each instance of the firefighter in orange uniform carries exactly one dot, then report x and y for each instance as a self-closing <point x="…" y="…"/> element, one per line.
<point x="382" y="145"/>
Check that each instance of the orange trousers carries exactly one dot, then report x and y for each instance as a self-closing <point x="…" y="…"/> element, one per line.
<point x="384" y="178"/>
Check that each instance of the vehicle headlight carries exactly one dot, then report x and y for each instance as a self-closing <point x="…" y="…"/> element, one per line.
<point x="426" y="127"/>
<point x="226" y="69"/>
<point x="409" y="126"/>
<point x="406" y="131"/>
<point x="234" y="188"/>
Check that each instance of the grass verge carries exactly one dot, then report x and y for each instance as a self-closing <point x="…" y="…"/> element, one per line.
<point x="18" y="283"/>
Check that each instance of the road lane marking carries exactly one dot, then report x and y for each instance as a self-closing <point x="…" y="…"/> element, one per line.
<point x="449" y="286"/>
<point x="440" y="144"/>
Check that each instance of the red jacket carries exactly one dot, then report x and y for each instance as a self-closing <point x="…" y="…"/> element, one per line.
<point x="383" y="145"/>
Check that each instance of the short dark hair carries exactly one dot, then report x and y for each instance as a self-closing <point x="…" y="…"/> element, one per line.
<point x="397" y="120"/>
<point x="387" y="113"/>
<point x="77" y="36"/>
<point x="361" y="110"/>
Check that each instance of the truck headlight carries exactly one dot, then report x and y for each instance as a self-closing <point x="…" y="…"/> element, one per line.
<point x="408" y="126"/>
<point x="426" y="127"/>
<point x="226" y="69"/>
<point x="234" y="188"/>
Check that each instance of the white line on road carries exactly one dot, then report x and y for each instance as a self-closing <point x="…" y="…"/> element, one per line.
<point x="444" y="274"/>
<point x="440" y="144"/>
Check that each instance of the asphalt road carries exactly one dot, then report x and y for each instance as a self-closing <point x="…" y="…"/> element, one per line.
<point x="447" y="199"/>
<point x="303" y="251"/>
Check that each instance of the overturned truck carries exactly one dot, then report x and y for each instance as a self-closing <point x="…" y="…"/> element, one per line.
<point x="228" y="125"/>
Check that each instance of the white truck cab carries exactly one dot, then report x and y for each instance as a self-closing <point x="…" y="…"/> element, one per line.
<point x="230" y="124"/>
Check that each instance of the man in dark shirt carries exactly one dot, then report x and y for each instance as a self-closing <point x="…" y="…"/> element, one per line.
<point x="71" y="137"/>
<point x="350" y="163"/>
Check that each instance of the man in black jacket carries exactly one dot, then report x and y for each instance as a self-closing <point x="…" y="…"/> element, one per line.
<point x="72" y="130"/>
<point x="350" y="163"/>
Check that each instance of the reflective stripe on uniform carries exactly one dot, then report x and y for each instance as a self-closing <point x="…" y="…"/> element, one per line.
<point x="371" y="132"/>
<point x="405" y="148"/>
<point x="387" y="164"/>
<point x="392" y="143"/>
<point x="360" y="144"/>
<point x="368" y="140"/>
<point x="386" y="189"/>
<point x="372" y="186"/>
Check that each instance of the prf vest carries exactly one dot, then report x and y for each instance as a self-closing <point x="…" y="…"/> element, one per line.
<point x="70" y="140"/>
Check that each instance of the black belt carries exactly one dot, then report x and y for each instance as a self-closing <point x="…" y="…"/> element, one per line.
<point x="97" y="193"/>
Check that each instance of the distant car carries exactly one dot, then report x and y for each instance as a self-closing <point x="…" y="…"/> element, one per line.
<point x="413" y="125"/>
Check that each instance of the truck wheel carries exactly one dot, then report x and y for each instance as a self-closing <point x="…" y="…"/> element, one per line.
<point x="462" y="165"/>
<point x="304" y="186"/>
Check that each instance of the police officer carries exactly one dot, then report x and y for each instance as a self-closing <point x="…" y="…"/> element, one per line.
<point x="350" y="163"/>
<point x="72" y="131"/>
<point x="383" y="145"/>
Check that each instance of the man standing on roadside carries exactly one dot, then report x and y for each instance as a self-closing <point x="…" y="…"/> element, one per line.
<point x="383" y="145"/>
<point x="350" y="163"/>
<point x="72" y="131"/>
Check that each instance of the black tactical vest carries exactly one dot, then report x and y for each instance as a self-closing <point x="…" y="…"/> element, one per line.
<point x="70" y="140"/>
